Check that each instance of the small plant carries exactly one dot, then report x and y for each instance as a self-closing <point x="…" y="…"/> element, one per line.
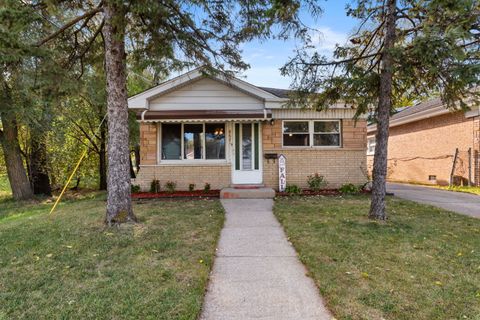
<point x="349" y="188"/>
<point x="293" y="189"/>
<point x="170" y="186"/>
<point x="155" y="186"/>
<point x="135" y="188"/>
<point x="207" y="187"/>
<point x="191" y="187"/>
<point x="316" y="182"/>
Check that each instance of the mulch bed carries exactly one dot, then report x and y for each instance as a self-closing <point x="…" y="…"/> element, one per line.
<point x="306" y="192"/>
<point x="177" y="194"/>
<point x="324" y="192"/>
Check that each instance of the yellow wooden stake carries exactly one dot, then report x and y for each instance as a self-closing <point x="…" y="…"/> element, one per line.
<point x="69" y="179"/>
<point x="74" y="170"/>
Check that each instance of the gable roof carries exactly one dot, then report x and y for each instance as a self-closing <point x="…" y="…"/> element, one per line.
<point x="141" y="100"/>
<point x="423" y="110"/>
<point x="281" y="93"/>
<point x="419" y="107"/>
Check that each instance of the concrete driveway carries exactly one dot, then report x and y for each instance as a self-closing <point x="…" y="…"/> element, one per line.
<point x="463" y="203"/>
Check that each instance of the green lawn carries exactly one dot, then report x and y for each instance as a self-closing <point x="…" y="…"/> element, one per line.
<point x="467" y="189"/>
<point x="69" y="266"/>
<point x="424" y="263"/>
<point x="4" y="186"/>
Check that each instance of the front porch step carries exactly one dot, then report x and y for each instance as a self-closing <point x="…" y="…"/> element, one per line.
<point x="257" y="193"/>
<point x="247" y="186"/>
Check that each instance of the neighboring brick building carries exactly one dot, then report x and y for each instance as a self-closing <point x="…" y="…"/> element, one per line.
<point x="423" y="142"/>
<point x="196" y="129"/>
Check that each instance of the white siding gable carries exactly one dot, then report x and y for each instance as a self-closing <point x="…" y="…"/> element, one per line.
<point x="205" y="94"/>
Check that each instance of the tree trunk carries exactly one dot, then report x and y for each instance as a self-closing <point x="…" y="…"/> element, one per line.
<point x="377" y="207"/>
<point x="119" y="204"/>
<point x="38" y="165"/>
<point x="102" y="162"/>
<point x="17" y="176"/>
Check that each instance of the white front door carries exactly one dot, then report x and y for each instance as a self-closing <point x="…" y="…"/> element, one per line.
<point x="247" y="153"/>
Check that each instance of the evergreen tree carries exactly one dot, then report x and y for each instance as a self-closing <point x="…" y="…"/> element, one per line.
<point x="402" y="50"/>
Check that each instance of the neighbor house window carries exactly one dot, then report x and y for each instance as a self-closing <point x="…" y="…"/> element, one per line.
<point x="314" y="133"/>
<point x="199" y="141"/>
<point x="371" y="146"/>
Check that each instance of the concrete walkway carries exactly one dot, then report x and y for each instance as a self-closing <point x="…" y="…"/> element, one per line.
<point x="463" y="203"/>
<point x="256" y="274"/>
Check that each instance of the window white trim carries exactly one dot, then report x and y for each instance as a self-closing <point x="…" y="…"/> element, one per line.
<point x="311" y="132"/>
<point x="371" y="144"/>
<point x="183" y="161"/>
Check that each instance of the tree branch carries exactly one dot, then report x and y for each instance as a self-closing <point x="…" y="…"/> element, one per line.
<point x="69" y="24"/>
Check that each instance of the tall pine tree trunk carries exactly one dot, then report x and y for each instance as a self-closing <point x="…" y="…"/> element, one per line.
<point x="38" y="165"/>
<point x="119" y="204"/>
<point x="17" y="175"/>
<point x="377" y="208"/>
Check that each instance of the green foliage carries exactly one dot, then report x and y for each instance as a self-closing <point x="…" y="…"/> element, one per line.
<point x="191" y="187"/>
<point x="431" y="57"/>
<point x="206" y="187"/>
<point x="316" y="182"/>
<point x="135" y="188"/>
<point x="5" y="190"/>
<point x="293" y="189"/>
<point x="155" y="186"/>
<point x="170" y="186"/>
<point x="349" y="188"/>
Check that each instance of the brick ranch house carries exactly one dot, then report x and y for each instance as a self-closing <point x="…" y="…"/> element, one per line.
<point x="423" y="143"/>
<point x="197" y="129"/>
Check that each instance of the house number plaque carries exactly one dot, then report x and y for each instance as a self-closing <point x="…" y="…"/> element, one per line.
<point x="282" y="173"/>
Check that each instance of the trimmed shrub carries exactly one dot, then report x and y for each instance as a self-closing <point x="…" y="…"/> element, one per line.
<point x="349" y="188"/>
<point x="135" y="188"/>
<point x="293" y="189"/>
<point x="170" y="186"/>
<point x="206" y="187"/>
<point x="316" y="182"/>
<point x="191" y="187"/>
<point x="155" y="186"/>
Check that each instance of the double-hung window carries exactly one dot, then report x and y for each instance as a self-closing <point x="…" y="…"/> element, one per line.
<point x="198" y="141"/>
<point x="312" y="133"/>
<point x="371" y="146"/>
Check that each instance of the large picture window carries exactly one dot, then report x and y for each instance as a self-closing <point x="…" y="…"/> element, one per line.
<point x="199" y="141"/>
<point x="312" y="133"/>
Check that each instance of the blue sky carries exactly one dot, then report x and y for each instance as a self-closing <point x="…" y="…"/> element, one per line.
<point x="265" y="58"/>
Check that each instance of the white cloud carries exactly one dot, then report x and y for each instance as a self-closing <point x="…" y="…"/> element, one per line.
<point x="325" y="39"/>
<point x="266" y="77"/>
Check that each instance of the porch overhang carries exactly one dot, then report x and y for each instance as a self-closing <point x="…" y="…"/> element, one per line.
<point x="204" y="115"/>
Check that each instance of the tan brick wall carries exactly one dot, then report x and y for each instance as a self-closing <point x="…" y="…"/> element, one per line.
<point x="218" y="176"/>
<point x="148" y="143"/>
<point x="422" y="148"/>
<point x="337" y="165"/>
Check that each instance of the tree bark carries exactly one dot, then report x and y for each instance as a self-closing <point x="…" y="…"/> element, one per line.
<point x="39" y="177"/>
<point x="119" y="204"/>
<point x="17" y="175"/>
<point x="377" y="207"/>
